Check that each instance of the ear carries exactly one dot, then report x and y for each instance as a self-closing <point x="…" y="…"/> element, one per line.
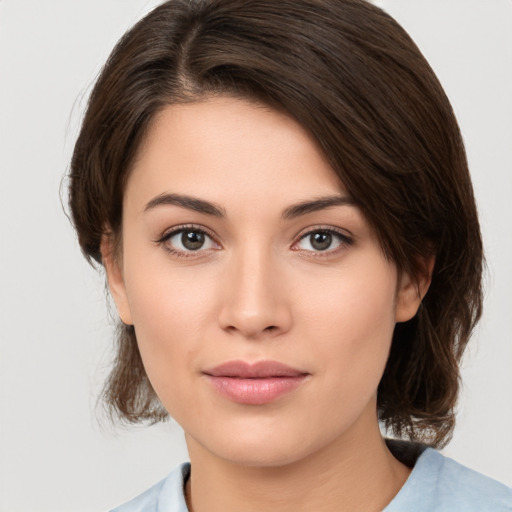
<point x="115" y="277"/>
<point x="412" y="289"/>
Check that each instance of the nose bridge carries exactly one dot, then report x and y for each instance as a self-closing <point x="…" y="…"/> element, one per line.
<point x="254" y="299"/>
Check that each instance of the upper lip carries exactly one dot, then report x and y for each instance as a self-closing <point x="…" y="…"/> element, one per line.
<point x="258" y="370"/>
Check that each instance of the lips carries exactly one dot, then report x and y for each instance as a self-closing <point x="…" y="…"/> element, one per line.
<point x="254" y="384"/>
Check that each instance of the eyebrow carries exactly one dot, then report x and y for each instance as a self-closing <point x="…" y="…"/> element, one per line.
<point x="188" y="202"/>
<point x="207" y="208"/>
<point x="315" y="205"/>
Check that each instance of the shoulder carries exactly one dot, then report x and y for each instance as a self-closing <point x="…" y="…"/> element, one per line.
<point x="438" y="483"/>
<point x="457" y="482"/>
<point x="165" y="495"/>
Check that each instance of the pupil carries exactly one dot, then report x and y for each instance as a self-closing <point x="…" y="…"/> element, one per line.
<point x="192" y="240"/>
<point x="321" y="241"/>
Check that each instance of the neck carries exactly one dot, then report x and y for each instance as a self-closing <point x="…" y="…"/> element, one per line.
<point x="350" y="474"/>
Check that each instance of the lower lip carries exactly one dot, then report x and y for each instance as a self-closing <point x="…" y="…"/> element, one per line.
<point x="255" y="391"/>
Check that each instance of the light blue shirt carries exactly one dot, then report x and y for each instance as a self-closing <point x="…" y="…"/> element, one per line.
<point x="436" y="484"/>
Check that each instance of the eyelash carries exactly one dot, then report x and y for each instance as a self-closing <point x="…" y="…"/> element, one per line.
<point x="183" y="229"/>
<point x="344" y="241"/>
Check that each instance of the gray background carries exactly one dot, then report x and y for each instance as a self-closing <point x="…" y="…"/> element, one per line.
<point x="55" y="328"/>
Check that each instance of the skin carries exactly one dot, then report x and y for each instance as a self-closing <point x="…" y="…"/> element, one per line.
<point x="259" y="289"/>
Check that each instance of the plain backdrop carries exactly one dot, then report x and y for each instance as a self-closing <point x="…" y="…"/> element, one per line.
<point x="55" y="327"/>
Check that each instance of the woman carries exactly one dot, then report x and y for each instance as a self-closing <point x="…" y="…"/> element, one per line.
<point x="267" y="185"/>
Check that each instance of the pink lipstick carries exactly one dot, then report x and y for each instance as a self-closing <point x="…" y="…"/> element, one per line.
<point x="254" y="384"/>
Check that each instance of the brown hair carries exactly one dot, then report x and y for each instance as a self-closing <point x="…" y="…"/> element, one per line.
<point x="349" y="74"/>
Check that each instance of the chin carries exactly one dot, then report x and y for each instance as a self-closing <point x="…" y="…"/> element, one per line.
<point x="267" y="456"/>
<point x="260" y="445"/>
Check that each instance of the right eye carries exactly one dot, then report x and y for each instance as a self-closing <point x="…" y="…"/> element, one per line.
<point x="186" y="241"/>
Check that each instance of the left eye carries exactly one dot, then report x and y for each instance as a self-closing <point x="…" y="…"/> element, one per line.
<point x="189" y="240"/>
<point x="321" y="240"/>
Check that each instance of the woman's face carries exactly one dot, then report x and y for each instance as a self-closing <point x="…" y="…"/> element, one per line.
<point x="262" y="302"/>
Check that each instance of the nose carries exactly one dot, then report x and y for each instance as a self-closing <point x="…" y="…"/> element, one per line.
<point x="255" y="304"/>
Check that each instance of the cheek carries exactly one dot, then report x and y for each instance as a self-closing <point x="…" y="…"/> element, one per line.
<point x="161" y="296"/>
<point x="349" y="323"/>
<point x="170" y="311"/>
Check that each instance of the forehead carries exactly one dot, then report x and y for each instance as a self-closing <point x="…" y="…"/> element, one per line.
<point x="225" y="148"/>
